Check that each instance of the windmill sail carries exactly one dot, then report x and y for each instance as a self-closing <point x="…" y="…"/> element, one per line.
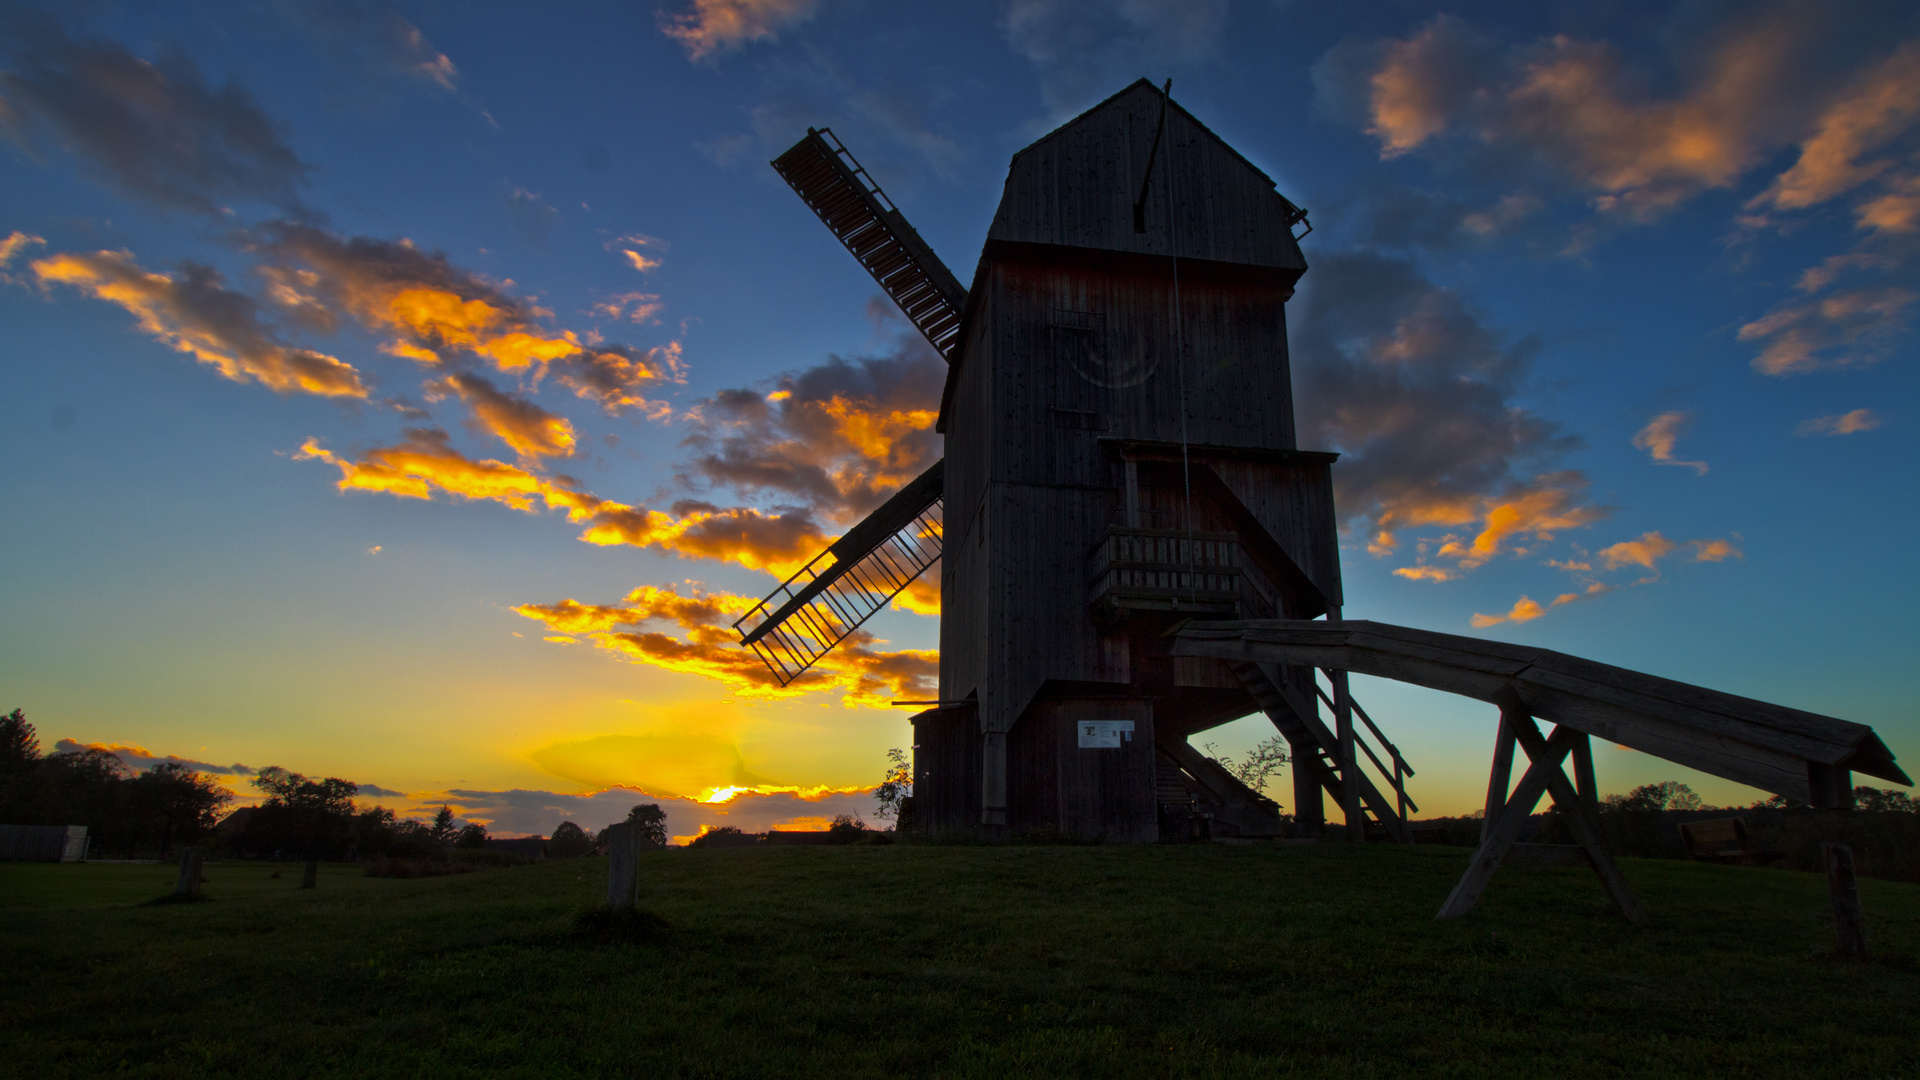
<point x="830" y="181"/>
<point x="845" y="585"/>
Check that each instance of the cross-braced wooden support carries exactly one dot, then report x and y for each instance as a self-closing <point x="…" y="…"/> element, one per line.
<point x="1545" y="775"/>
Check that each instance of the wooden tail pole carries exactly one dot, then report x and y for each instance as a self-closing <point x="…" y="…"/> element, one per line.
<point x="1849" y="928"/>
<point x="189" y="882"/>
<point x="622" y="873"/>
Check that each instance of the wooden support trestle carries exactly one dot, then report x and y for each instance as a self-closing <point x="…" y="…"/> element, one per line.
<point x="1506" y="815"/>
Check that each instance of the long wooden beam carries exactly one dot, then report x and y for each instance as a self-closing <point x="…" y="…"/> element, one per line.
<point x="1802" y="755"/>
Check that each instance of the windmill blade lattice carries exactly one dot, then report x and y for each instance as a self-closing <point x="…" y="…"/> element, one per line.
<point x="828" y="179"/>
<point x="850" y="582"/>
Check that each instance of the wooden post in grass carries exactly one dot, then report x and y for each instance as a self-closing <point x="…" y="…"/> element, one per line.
<point x="621" y="872"/>
<point x="1849" y="929"/>
<point x="189" y="883"/>
<point x="310" y="877"/>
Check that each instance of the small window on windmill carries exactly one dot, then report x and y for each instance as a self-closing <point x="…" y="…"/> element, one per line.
<point x="1078" y="337"/>
<point x="1076" y="419"/>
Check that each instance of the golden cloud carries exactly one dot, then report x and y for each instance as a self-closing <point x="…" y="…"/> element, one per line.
<point x="715" y="26"/>
<point x="708" y="646"/>
<point x="1523" y="611"/>
<point x="16" y="242"/>
<point x="425" y="461"/>
<point x="839" y="437"/>
<point x="1714" y="550"/>
<point x="1646" y="551"/>
<point x="1539" y="510"/>
<point x="432" y="309"/>
<point x="1848" y="423"/>
<point x="1426" y="573"/>
<point x="636" y="307"/>
<point x="1572" y="105"/>
<point x="196" y="314"/>
<point x="1661" y="435"/>
<point x="1881" y="106"/>
<point x="530" y="430"/>
<point x="1847" y="328"/>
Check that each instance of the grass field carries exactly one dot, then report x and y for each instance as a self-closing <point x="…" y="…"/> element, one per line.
<point x="1205" y="960"/>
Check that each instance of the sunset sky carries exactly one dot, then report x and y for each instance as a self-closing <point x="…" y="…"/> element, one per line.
<point x="416" y="393"/>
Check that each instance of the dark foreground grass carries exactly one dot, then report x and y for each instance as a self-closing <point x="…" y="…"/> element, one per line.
<point x="1157" y="962"/>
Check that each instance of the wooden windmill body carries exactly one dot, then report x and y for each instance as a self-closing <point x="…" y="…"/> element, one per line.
<point x="1133" y="549"/>
<point x="1120" y="452"/>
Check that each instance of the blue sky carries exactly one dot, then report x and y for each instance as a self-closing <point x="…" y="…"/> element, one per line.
<point x="1608" y="302"/>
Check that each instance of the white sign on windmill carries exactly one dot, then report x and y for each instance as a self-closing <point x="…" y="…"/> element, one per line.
<point x="1105" y="734"/>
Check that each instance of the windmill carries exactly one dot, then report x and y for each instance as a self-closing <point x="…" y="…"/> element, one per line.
<point x="1140" y="551"/>
<point x="1120" y="451"/>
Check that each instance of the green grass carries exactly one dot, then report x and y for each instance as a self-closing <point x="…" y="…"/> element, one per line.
<point x="1207" y="960"/>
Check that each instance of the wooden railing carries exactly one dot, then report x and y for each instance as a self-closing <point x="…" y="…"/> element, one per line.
<point x="1173" y="570"/>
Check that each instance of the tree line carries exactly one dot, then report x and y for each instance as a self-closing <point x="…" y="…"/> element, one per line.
<point x="124" y="811"/>
<point x="170" y="805"/>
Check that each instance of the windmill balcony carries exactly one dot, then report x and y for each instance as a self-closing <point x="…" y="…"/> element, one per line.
<point x="1197" y="574"/>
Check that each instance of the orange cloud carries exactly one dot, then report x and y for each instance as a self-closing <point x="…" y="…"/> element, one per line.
<point x="1848" y="328"/>
<point x="1844" y="424"/>
<point x="1539" y="510"/>
<point x="1418" y="85"/>
<point x="715" y="26"/>
<point x="1660" y="436"/>
<point x="1426" y="573"/>
<point x="1897" y="210"/>
<point x="426" y="461"/>
<point x="530" y="430"/>
<point x="839" y="438"/>
<point x="1572" y="104"/>
<point x="922" y="597"/>
<point x="1714" y="550"/>
<point x="16" y="242"/>
<point x="196" y="314"/>
<point x="433" y="310"/>
<point x="1523" y="611"/>
<point x="636" y="307"/>
<point x="1646" y="551"/>
<point x="778" y="543"/>
<point x="1881" y="106"/>
<point x="708" y="646"/>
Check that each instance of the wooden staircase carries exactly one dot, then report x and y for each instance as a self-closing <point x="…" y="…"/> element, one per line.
<point x="1316" y="748"/>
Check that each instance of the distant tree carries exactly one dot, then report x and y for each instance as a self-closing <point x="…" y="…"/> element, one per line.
<point x="724" y="836"/>
<point x="183" y="804"/>
<point x="1665" y="795"/>
<point x="442" y="829"/>
<point x="471" y="835"/>
<point x="651" y="822"/>
<point x="19" y="745"/>
<point x="569" y="841"/>
<point x="313" y="818"/>
<point x="88" y="787"/>
<point x="1258" y="766"/>
<point x="896" y="786"/>
<point x="1883" y="801"/>
<point x="846" y="829"/>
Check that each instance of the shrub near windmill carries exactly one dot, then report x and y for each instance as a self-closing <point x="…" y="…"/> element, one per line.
<point x="1142" y="552"/>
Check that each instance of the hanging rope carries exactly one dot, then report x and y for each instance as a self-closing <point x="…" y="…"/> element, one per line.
<point x="1179" y="352"/>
